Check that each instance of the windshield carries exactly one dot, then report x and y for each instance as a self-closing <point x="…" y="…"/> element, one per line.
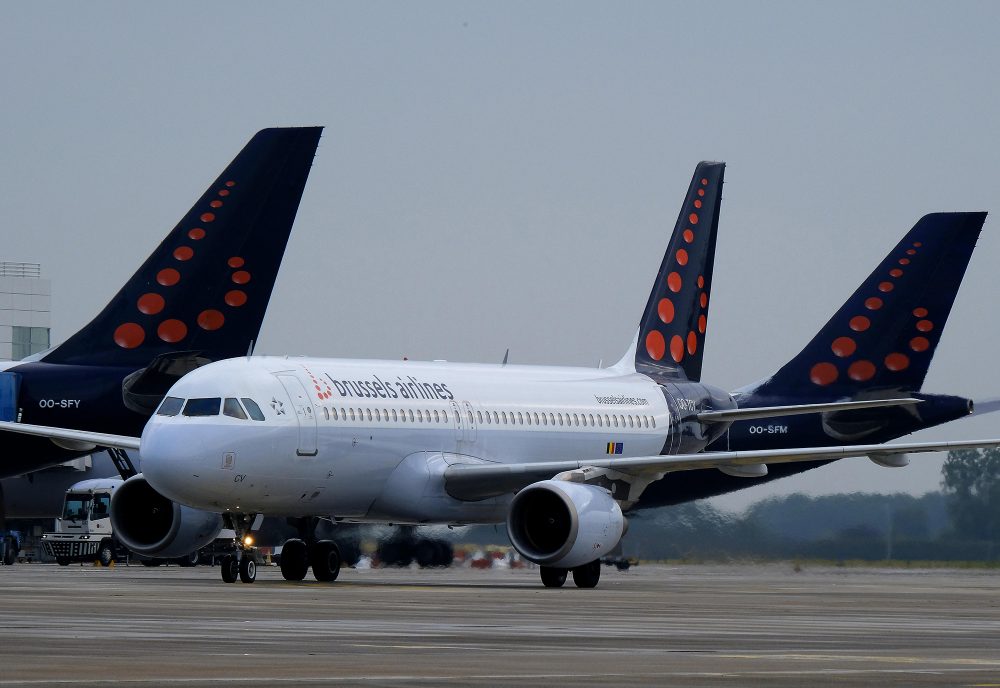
<point x="76" y="507"/>
<point x="101" y="507"/>
<point x="203" y="407"/>
<point x="171" y="406"/>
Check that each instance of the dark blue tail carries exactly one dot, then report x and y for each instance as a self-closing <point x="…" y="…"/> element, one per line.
<point x="884" y="336"/>
<point x="673" y="326"/>
<point x="204" y="290"/>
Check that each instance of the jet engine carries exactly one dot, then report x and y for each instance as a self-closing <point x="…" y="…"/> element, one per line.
<point x="148" y="523"/>
<point x="563" y="524"/>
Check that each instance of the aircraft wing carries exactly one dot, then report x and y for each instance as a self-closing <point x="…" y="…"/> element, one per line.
<point x="754" y="412"/>
<point x="475" y="481"/>
<point x="99" y="439"/>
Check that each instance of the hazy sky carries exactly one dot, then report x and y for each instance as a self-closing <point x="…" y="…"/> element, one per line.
<point x="507" y="174"/>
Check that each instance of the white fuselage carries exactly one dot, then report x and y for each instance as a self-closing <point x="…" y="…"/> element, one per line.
<point x="359" y="439"/>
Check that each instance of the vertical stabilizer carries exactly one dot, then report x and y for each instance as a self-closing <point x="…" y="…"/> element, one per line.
<point x="207" y="285"/>
<point x="885" y="334"/>
<point x="673" y="326"/>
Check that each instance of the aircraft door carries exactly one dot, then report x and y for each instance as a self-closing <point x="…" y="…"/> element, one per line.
<point x="9" y="387"/>
<point x="304" y="413"/>
<point x="470" y="425"/>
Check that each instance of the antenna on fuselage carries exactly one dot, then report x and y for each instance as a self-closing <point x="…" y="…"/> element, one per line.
<point x="505" y="355"/>
<point x="250" y="349"/>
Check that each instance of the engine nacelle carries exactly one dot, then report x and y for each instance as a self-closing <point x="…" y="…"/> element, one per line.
<point x="148" y="523"/>
<point x="563" y="524"/>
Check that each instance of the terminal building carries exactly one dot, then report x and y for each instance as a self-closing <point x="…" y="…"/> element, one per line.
<point x="25" y="310"/>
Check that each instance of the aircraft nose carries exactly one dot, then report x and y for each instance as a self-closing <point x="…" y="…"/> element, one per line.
<point x="173" y="459"/>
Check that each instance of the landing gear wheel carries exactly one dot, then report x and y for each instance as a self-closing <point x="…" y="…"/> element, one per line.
<point x="426" y="553"/>
<point x="106" y="554"/>
<point x="62" y="561"/>
<point x="248" y="569"/>
<point x="552" y="577"/>
<point x="325" y="561"/>
<point x="588" y="575"/>
<point x="230" y="569"/>
<point x="294" y="560"/>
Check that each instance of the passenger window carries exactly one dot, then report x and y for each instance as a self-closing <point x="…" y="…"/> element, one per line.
<point x="202" y="407"/>
<point x="520" y="418"/>
<point x="496" y="418"/>
<point x="335" y="416"/>
<point x="472" y="420"/>
<point x="536" y="418"/>
<point x="326" y="413"/>
<point x="503" y="414"/>
<point x="631" y="422"/>
<point x="653" y="420"/>
<point x="552" y="419"/>
<point x="437" y="419"/>
<point x="479" y="414"/>
<point x="368" y="414"/>
<point x="232" y="408"/>
<point x="352" y="414"/>
<point x="170" y="406"/>
<point x="394" y="417"/>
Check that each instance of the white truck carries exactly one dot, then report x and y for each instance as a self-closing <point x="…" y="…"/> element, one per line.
<point x="84" y="533"/>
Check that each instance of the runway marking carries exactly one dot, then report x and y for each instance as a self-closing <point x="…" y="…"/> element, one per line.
<point x="866" y="658"/>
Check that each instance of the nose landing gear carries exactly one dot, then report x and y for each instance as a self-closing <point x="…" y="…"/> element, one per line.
<point x="242" y="565"/>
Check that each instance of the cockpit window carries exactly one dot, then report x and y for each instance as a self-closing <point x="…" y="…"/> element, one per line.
<point x="202" y="407"/>
<point x="171" y="406"/>
<point x="232" y="408"/>
<point x="253" y="409"/>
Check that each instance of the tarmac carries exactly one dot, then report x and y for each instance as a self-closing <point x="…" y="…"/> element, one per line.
<point x="742" y="625"/>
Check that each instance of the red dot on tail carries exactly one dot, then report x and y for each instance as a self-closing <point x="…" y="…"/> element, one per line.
<point x="211" y="319"/>
<point x="704" y="182"/>
<point x="697" y="203"/>
<point x="701" y="281"/>
<point x="873" y="303"/>
<point x="183" y="253"/>
<point x="230" y="184"/>
<point x="895" y="272"/>
<point x="665" y="309"/>
<point x="903" y="261"/>
<point x="701" y="192"/>
<point x="920" y="312"/>
<point x="235" y="298"/>
<point x="235" y="262"/>
<point x="910" y="252"/>
<point x="861" y="371"/>
<point x="197" y="233"/>
<point x="896" y="362"/>
<point x="655" y="345"/>
<point x="208" y="217"/>
<point x="150" y="303"/>
<point x="920" y="344"/>
<point x="677" y="348"/>
<point x="688" y="236"/>
<point x="885" y="287"/>
<point x="823" y="374"/>
<point x="843" y="346"/>
<point x="674" y="282"/>
<point x="692" y="343"/>
<point x="171" y="331"/>
<point x="224" y="192"/>
<point x="703" y="300"/>
<point x="860" y="323"/>
<point x="917" y="244"/>
<point x="682" y="257"/>
<point x="168" y="277"/>
<point x="241" y="277"/>
<point x="925" y="325"/>
<point x="129" y="335"/>
<point x="702" y="323"/>
<point x="215" y="204"/>
<point x="693" y="218"/>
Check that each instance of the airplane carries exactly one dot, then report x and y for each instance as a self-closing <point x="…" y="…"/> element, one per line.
<point x="558" y="453"/>
<point x="878" y="344"/>
<point x="199" y="297"/>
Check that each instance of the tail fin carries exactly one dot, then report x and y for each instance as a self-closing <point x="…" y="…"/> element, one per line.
<point x="206" y="287"/>
<point x="672" y="330"/>
<point x="884" y="336"/>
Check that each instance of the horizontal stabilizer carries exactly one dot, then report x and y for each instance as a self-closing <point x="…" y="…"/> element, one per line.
<point x="734" y="415"/>
<point x="99" y="439"/>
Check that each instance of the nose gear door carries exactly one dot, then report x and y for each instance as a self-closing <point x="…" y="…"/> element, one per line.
<point x="304" y="413"/>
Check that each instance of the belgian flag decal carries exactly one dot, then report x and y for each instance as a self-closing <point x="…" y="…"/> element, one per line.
<point x="614" y="447"/>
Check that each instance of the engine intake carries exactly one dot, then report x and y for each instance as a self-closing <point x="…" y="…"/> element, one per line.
<point x="563" y="524"/>
<point x="148" y="523"/>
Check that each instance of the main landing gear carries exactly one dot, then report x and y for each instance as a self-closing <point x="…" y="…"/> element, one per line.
<point x="298" y="554"/>
<point x="586" y="576"/>
<point x="297" y="557"/>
